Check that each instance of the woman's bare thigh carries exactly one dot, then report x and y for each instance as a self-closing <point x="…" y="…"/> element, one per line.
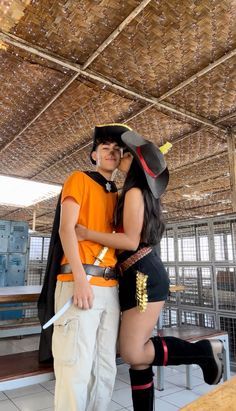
<point x="136" y="330"/>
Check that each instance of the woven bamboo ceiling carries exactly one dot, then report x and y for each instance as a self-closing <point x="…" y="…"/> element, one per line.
<point x="166" y="68"/>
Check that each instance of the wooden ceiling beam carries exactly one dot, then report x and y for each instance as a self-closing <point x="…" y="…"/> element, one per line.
<point x="17" y="42"/>
<point x="116" y="32"/>
<point x="99" y="50"/>
<point x="191" y="133"/>
<point x="50" y="102"/>
<point x="232" y="167"/>
<point x="151" y="99"/>
<point x="196" y="183"/>
<point x="199" y="74"/>
<point x="225" y="118"/>
<point x="182" y="204"/>
<point x="189" y="218"/>
<point x="200" y="161"/>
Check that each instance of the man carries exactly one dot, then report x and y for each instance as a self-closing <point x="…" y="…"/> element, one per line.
<point x="84" y="337"/>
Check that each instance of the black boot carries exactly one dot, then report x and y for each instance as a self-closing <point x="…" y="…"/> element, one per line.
<point x="206" y="353"/>
<point x="142" y="389"/>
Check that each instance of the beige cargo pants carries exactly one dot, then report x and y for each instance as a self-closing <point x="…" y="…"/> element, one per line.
<point x="84" y="350"/>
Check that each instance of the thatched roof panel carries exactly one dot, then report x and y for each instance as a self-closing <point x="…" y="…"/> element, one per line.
<point x="197" y="191"/>
<point x="212" y="103"/>
<point x="159" y="127"/>
<point x="66" y="126"/>
<point x="200" y="171"/>
<point x="230" y="121"/>
<point x="169" y="42"/>
<point x="198" y="146"/>
<point x="71" y="29"/>
<point x="25" y="89"/>
<point x="164" y="68"/>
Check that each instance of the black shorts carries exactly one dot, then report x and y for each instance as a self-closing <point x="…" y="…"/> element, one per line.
<point x="157" y="280"/>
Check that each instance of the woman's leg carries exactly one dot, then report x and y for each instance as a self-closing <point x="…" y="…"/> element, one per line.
<point x="137" y="349"/>
<point x="136" y="328"/>
<point x="140" y="350"/>
<point x="142" y="389"/>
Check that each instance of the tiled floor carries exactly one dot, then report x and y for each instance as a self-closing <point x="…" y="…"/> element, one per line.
<point x="40" y="396"/>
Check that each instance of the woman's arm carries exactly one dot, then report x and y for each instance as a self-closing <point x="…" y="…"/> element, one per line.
<point x="83" y="294"/>
<point x="133" y="215"/>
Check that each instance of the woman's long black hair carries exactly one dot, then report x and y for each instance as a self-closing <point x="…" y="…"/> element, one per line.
<point x="153" y="224"/>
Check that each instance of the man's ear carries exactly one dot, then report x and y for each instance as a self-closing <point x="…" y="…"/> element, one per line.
<point x="94" y="155"/>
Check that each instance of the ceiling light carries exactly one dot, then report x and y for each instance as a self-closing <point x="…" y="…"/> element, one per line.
<point x="18" y="192"/>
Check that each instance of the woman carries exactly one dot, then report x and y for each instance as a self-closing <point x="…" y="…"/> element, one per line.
<point x="143" y="283"/>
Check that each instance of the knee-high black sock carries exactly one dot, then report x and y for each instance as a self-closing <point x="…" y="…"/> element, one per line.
<point x="142" y="389"/>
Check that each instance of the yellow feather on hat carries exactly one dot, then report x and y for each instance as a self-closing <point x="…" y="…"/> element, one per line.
<point x="166" y="147"/>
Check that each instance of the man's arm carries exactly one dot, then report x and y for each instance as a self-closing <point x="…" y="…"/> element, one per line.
<point x="83" y="293"/>
<point x="133" y="215"/>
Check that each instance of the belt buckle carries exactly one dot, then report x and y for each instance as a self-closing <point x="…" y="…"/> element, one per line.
<point x="119" y="270"/>
<point x="106" y="273"/>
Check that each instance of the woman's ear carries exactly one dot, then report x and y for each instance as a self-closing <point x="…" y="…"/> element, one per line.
<point x="94" y="156"/>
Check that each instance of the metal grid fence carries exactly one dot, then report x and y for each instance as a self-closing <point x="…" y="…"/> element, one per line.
<point x="201" y="256"/>
<point x="38" y="253"/>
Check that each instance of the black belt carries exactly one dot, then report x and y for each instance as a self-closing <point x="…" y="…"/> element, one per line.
<point x="96" y="271"/>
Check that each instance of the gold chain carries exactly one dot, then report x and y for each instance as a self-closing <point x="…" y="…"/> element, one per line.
<point x="141" y="291"/>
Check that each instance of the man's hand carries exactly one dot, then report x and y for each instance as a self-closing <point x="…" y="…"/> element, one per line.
<point x="83" y="294"/>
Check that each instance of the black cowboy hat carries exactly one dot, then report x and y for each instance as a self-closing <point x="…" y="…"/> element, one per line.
<point x="106" y="132"/>
<point x="150" y="159"/>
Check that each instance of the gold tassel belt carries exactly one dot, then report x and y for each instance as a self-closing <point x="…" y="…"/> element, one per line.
<point x="134" y="258"/>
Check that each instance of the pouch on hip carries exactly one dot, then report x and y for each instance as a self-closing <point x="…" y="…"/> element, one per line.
<point x="64" y="341"/>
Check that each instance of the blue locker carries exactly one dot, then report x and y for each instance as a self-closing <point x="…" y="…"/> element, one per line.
<point x="4" y="235"/>
<point x="13" y="259"/>
<point x="18" y="241"/>
<point x="3" y="269"/>
<point x="16" y="270"/>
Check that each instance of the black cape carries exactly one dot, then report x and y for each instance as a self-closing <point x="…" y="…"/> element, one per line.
<point x="55" y="254"/>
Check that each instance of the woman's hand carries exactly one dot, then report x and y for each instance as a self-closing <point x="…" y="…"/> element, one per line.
<point x="81" y="232"/>
<point x="125" y="162"/>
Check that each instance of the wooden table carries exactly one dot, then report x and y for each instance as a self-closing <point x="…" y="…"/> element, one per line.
<point x="221" y="398"/>
<point x="27" y="294"/>
<point x="30" y="293"/>
<point x="20" y="294"/>
<point x="175" y="288"/>
<point x="21" y="297"/>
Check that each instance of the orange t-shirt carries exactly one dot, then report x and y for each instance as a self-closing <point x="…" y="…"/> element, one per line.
<point x="96" y="213"/>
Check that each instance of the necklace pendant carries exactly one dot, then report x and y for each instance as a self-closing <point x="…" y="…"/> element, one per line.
<point x="108" y="187"/>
